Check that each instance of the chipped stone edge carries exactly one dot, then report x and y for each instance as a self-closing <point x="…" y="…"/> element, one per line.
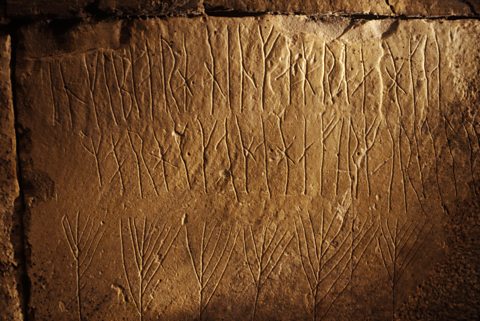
<point x="11" y="226"/>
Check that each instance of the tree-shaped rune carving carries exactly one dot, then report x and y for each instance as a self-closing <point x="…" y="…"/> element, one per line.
<point x="325" y="256"/>
<point x="210" y="261"/>
<point x="83" y="239"/>
<point x="398" y="245"/>
<point x="263" y="253"/>
<point x="144" y="247"/>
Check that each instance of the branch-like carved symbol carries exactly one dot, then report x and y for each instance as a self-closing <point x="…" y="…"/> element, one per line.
<point x="83" y="239"/>
<point x="210" y="261"/>
<point x="398" y="246"/>
<point x="263" y="253"/>
<point x="144" y="247"/>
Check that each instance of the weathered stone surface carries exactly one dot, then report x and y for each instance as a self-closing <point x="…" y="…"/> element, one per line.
<point x="273" y="168"/>
<point x="386" y="7"/>
<point x="151" y="7"/>
<point x="85" y="8"/>
<point x="9" y="192"/>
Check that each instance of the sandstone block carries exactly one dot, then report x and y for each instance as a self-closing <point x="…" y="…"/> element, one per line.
<point x="263" y="168"/>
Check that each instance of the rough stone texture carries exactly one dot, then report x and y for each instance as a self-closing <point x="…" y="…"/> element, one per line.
<point x="386" y="7"/>
<point x="9" y="192"/>
<point x="452" y="290"/>
<point x="273" y="168"/>
<point x="84" y="8"/>
<point x="151" y="7"/>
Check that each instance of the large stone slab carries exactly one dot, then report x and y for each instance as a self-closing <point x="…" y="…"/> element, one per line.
<point x="273" y="168"/>
<point x="10" y="233"/>
<point x="387" y="7"/>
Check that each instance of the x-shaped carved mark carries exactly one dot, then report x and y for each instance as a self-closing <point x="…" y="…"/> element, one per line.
<point x="120" y="164"/>
<point x="394" y="79"/>
<point x="364" y="79"/>
<point x="284" y="152"/>
<point x="396" y="72"/>
<point x="247" y="150"/>
<point x="160" y="156"/>
<point x="305" y="73"/>
<point x="304" y="154"/>
<point x="186" y="82"/>
<point x="214" y="78"/>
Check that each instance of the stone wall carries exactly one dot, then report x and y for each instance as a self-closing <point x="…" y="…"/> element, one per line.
<point x="239" y="160"/>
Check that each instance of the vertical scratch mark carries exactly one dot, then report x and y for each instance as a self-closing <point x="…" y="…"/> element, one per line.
<point x="446" y="122"/>
<point x="364" y="98"/>
<point x="110" y="98"/>
<point x="164" y="77"/>
<point x="228" y="69"/>
<point x="230" y="163"/>
<point x="206" y="140"/>
<point x="52" y="93"/>
<point x="172" y="70"/>
<point x="119" y="86"/>
<point x="303" y="157"/>
<point x="186" y="79"/>
<point x="265" y="157"/>
<point x="149" y="171"/>
<point x="338" y="155"/>
<point x="179" y="139"/>
<point x="266" y="52"/>
<point x="402" y="167"/>
<point x="137" y="164"/>
<point x="70" y="111"/>
<point x="150" y="83"/>
<point x="94" y="150"/>
<point x="414" y="106"/>
<point x="91" y="85"/>
<point x="114" y="144"/>
<point x="289" y="70"/>
<point x="162" y="161"/>
<point x="248" y="152"/>
<point x="284" y="152"/>
<point x="240" y="65"/>
<point x="392" y="169"/>
<point x="212" y="71"/>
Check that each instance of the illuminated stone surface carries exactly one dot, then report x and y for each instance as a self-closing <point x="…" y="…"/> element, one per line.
<point x="273" y="168"/>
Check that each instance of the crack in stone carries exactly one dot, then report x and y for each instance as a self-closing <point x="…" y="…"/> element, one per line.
<point x="22" y="249"/>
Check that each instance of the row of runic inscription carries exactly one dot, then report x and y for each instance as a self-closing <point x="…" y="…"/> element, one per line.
<point x="407" y="120"/>
<point x="276" y="157"/>
<point x="127" y="86"/>
<point x="329" y="248"/>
